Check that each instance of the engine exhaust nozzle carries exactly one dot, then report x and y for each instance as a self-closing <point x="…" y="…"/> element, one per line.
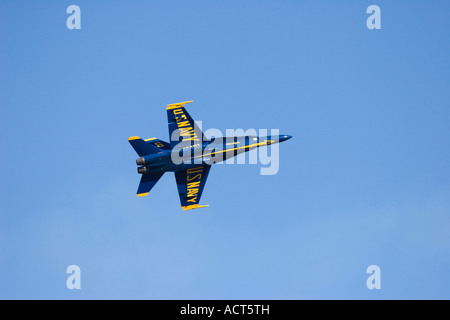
<point x="140" y="161"/>
<point x="142" y="170"/>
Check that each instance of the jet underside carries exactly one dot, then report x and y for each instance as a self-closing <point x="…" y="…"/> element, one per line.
<point x="189" y="155"/>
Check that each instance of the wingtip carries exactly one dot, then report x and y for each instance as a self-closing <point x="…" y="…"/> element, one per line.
<point x="194" y="206"/>
<point x="142" y="194"/>
<point x="178" y="104"/>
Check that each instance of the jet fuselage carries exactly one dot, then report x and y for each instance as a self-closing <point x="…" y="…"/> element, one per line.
<point x="209" y="152"/>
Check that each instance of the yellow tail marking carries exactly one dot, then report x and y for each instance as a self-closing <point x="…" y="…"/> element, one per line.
<point x="142" y="194"/>
<point x="150" y="139"/>
<point x="133" y="138"/>
<point x="193" y="206"/>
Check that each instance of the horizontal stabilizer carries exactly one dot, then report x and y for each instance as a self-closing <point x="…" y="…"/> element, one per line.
<point x="148" y="181"/>
<point x="158" y="143"/>
<point x="141" y="147"/>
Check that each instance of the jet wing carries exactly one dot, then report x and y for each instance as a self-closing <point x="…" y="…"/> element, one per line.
<point x="182" y="127"/>
<point x="190" y="185"/>
<point x="148" y="181"/>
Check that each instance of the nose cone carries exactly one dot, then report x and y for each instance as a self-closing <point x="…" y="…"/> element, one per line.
<point x="284" y="138"/>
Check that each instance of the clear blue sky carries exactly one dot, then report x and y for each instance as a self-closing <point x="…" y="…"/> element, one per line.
<point x="364" y="181"/>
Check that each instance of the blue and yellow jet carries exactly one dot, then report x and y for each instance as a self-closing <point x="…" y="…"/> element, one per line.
<point x="194" y="153"/>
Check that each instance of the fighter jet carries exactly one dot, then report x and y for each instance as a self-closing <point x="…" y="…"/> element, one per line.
<point x="189" y="154"/>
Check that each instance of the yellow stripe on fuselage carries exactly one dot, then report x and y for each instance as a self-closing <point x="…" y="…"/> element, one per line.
<point x="258" y="144"/>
